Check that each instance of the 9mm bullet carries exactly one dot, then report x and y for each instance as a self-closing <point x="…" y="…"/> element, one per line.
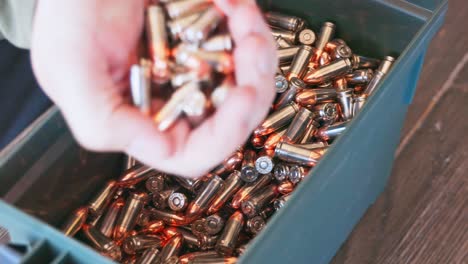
<point x="158" y="43"/>
<point x="259" y="200"/>
<point x="228" y="238"/>
<point x="296" y="85"/>
<point x="290" y="23"/>
<point x="107" y="224"/>
<point x="133" y="244"/>
<point x="103" y="244"/>
<point x="383" y="69"/>
<point x="301" y="60"/>
<point x="75" y="222"/>
<point x="204" y="198"/>
<point x="247" y="190"/>
<point x="231" y="185"/>
<point x="248" y="171"/>
<point x="301" y="122"/>
<point x="127" y="218"/>
<point x="277" y="120"/>
<point x="149" y="256"/>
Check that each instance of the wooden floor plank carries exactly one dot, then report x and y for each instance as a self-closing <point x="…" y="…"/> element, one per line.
<point x="422" y="216"/>
<point x="445" y="50"/>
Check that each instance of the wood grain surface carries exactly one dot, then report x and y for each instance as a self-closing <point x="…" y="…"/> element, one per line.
<point x="422" y="217"/>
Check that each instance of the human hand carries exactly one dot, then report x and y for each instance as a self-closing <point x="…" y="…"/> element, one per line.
<point x="82" y="52"/>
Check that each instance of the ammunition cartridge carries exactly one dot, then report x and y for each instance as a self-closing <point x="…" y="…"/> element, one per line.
<point x="135" y="175"/>
<point x="281" y="171"/>
<point x="277" y="120"/>
<point x="247" y="190"/>
<point x="303" y="119"/>
<point x="170" y="218"/>
<point x="359" y="77"/>
<point x="248" y="171"/>
<point x="231" y="185"/>
<point x="153" y="227"/>
<point x="301" y="60"/>
<point x="160" y="199"/>
<point x="107" y="224"/>
<point x="360" y="62"/>
<point x="255" y="224"/>
<point x="155" y="183"/>
<point x="282" y="43"/>
<point x="307" y="37"/>
<point x="333" y="44"/>
<point x="286" y="55"/>
<point x="222" y="42"/>
<point x="176" y="9"/>
<point x="140" y="86"/>
<point x="295" y="154"/>
<point x="213" y="224"/>
<point x="297" y="173"/>
<point x="149" y="256"/>
<point x="259" y="200"/>
<point x="295" y="85"/>
<point x="285" y="34"/>
<point x="158" y="43"/>
<point x="230" y="163"/>
<point x="133" y="244"/>
<point x="326" y="34"/>
<point x="203" y="26"/>
<point x="188" y="258"/>
<point x="177" y="201"/>
<point x="127" y="218"/>
<point x="281" y="83"/>
<point x="273" y="139"/>
<point x="358" y="103"/>
<point x="171" y="248"/>
<point x="285" y="187"/>
<point x="345" y="97"/>
<point x="103" y="244"/>
<point x="383" y="69"/>
<point x="75" y="222"/>
<point x="331" y="132"/>
<point x="264" y="164"/>
<point x="342" y="51"/>
<point x="102" y="199"/>
<point x="202" y="242"/>
<point x="280" y="202"/>
<point x="326" y="73"/>
<point x="206" y="195"/>
<point x="290" y="23"/>
<point x="228" y="239"/>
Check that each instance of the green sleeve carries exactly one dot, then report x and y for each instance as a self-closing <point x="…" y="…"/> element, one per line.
<point x="16" y="21"/>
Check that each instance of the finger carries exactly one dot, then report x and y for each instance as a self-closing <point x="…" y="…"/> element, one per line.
<point x="215" y="139"/>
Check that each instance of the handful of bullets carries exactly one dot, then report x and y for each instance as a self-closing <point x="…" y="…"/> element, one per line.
<point x="147" y="216"/>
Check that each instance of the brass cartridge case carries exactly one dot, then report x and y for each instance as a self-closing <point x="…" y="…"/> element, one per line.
<point x="383" y="69"/>
<point x="177" y="201"/>
<point x="248" y="171"/>
<point x="295" y="85"/>
<point x="281" y="201"/>
<point x="290" y="23"/>
<point x="149" y="256"/>
<point x="170" y="218"/>
<point x="103" y="244"/>
<point x="273" y="139"/>
<point x="102" y="199"/>
<point x="358" y="103"/>
<point x="301" y="60"/>
<point x="307" y="37"/>
<point x="107" y="224"/>
<point x="221" y="42"/>
<point x="359" y="77"/>
<point x="204" y="198"/>
<point x="230" y="163"/>
<point x="213" y="224"/>
<point x="297" y="173"/>
<point x="326" y="34"/>
<point x="255" y="224"/>
<point x="127" y="218"/>
<point x="159" y="199"/>
<point x="258" y="201"/>
<point x="282" y="43"/>
<point x="176" y="9"/>
<point x="171" y="248"/>
<point x="286" y="55"/>
<point x="264" y="164"/>
<point x="331" y="132"/>
<point x="285" y="34"/>
<point x="295" y="154"/>
<point x="360" y="62"/>
<point x="328" y="72"/>
<point x="247" y="190"/>
<point x="281" y="83"/>
<point x="281" y="171"/>
<point x="75" y="222"/>
<point x="202" y="242"/>
<point x="277" y="120"/>
<point x="199" y="30"/>
<point x="155" y="183"/>
<point x="231" y="185"/>
<point x="140" y="86"/>
<point x="342" y="51"/>
<point x="327" y="112"/>
<point x="345" y="97"/>
<point x="133" y="244"/>
<point x="228" y="238"/>
<point x="303" y="119"/>
<point x="158" y="43"/>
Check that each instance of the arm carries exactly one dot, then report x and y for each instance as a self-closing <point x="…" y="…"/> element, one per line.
<point x="16" y="21"/>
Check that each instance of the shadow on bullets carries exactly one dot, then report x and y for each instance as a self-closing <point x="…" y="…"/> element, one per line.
<point x="147" y="216"/>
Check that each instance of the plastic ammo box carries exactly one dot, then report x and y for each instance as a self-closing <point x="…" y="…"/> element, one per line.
<point x="45" y="175"/>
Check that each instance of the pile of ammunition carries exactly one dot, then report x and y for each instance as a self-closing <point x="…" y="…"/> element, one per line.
<point x="148" y="216"/>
